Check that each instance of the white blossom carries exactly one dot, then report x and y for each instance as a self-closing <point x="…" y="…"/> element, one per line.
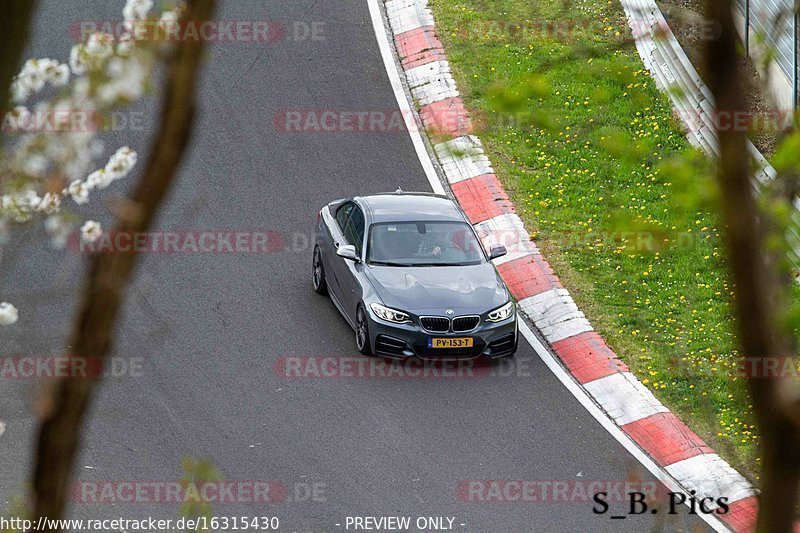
<point x="91" y="231"/>
<point x="76" y="167"/>
<point x="19" y="91"/>
<point x="35" y="74"/>
<point x="35" y="165"/>
<point x="81" y="89"/>
<point x="118" y="166"/>
<point x="116" y="67"/>
<point x="127" y="81"/>
<point x="121" y="163"/>
<point x="58" y="229"/>
<point x="78" y="191"/>
<point x="8" y="314"/>
<point x="136" y="9"/>
<point x="26" y="201"/>
<point x="78" y="59"/>
<point x="100" y="46"/>
<point x="96" y="147"/>
<point x="60" y="75"/>
<point x="49" y="203"/>
<point x="19" y="205"/>
<point x="98" y="179"/>
<point x="100" y="75"/>
<point x="168" y="18"/>
<point x="16" y="120"/>
<point x="91" y="55"/>
<point x="124" y="44"/>
<point x="58" y="150"/>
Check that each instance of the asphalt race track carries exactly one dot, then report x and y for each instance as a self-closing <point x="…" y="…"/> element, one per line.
<point x="208" y="328"/>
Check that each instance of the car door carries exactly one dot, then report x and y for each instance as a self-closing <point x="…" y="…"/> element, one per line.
<point x="334" y="263"/>
<point x="350" y="270"/>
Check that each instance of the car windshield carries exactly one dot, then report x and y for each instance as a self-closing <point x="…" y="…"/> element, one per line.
<point x="424" y="244"/>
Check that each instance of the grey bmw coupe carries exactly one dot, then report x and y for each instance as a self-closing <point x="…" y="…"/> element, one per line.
<point x="410" y="276"/>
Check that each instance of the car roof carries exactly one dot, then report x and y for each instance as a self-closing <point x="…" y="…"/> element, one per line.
<point x="405" y="206"/>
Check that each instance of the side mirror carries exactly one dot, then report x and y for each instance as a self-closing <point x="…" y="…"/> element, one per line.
<point x="347" y="252"/>
<point x="497" y="251"/>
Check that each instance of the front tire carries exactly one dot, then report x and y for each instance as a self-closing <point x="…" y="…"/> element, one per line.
<point x="318" y="272"/>
<point x="362" y="331"/>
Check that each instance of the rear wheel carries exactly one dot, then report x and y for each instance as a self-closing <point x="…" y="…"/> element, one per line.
<point x="362" y="331"/>
<point x="320" y="285"/>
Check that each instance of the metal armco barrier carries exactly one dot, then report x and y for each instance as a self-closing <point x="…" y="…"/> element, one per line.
<point x="675" y="75"/>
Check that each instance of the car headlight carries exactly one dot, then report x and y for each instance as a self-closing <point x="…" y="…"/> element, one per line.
<point x="390" y="315"/>
<point x="502" y="313"/>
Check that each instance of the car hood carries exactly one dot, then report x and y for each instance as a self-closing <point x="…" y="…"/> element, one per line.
<point x="472" y="289"/>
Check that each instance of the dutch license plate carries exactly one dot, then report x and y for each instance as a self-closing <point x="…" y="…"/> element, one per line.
<point x="450" y="342"/>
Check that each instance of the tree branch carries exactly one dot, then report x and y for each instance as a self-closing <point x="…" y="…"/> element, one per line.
<point x="760" y="288"/>
<point x="92" y="336"/>
<point x="14" y="30"/>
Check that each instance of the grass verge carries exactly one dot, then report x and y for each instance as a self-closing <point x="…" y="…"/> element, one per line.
<point x="589" y="151"/>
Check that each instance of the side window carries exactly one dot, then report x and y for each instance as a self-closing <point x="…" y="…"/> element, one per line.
<point x="354" y="232"/>
<point x="342" y="214"/>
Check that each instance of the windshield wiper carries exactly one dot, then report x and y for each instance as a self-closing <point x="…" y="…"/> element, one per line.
<point x="443" y="264"/>
<point x="389" y="263"/>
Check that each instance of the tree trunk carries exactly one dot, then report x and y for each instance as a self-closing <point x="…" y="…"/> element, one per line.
<point x="15" y="21"/>
<point x="760" y="289"/>
<point x="60" y="430"/>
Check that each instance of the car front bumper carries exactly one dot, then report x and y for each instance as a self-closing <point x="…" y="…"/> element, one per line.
<point x="403" y="341"/>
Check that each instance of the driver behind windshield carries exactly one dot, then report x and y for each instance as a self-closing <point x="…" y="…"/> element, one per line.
<point x="433" y="242"/>
<point x="424" y="243"/>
